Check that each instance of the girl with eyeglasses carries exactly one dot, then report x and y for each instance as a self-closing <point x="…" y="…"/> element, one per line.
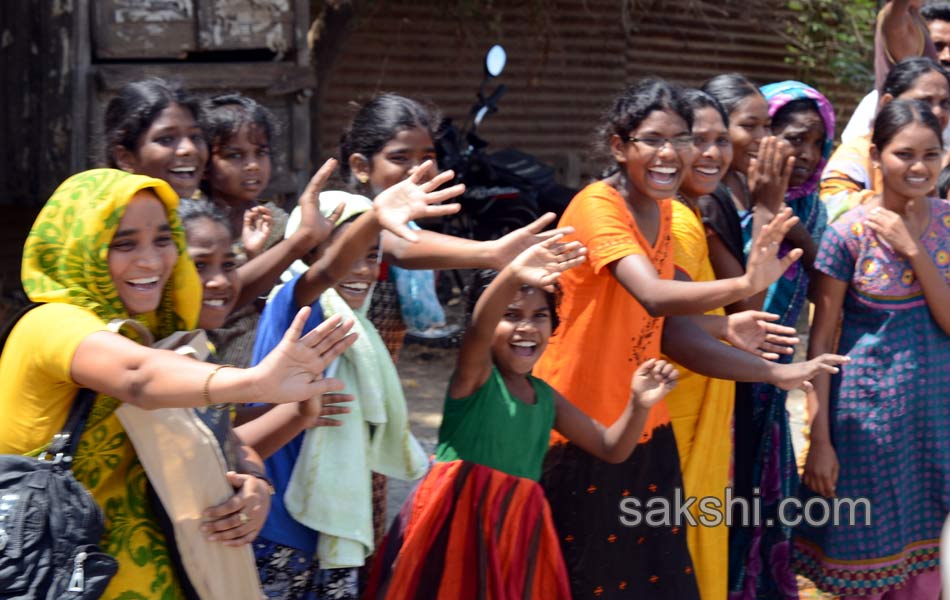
<point x="612" y="318"/>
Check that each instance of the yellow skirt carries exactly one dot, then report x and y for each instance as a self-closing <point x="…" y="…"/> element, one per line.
<point x="701" y="412"/>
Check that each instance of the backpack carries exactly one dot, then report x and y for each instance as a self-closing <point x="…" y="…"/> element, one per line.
<point x="49" y="522"/>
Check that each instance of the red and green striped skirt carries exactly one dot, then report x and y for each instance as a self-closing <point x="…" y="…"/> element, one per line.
<point x="468" y="531"/>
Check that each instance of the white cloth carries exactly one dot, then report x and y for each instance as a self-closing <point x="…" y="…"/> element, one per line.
<point x="330" y="488"/>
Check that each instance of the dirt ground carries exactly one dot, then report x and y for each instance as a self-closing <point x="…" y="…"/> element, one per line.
<point x="424" y="372"/>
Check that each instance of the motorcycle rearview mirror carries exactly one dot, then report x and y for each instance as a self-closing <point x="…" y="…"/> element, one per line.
<point x="495" y="60"/>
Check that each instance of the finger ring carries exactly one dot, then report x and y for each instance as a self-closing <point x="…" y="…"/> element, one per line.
<point x="243" y="518"/>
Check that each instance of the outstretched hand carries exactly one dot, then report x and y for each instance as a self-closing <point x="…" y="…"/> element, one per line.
<point x="753" y="331"/>
<point x="507" y="247"/>
<point x="313" y="224"/>
<point x="541" y="265"/>
<point x="652" y="381"/>
<point x="799" y="375"/>
<point x="293" y="371"/>
<point x="416" y="197"/>
<point x="317" y="412"/>
<point x="764" y="265"/>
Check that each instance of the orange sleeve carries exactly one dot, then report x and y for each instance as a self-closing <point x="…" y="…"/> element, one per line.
<point x="603" y="224"/>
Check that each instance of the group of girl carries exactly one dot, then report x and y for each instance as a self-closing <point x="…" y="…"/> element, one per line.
<point x="565" y="400"/>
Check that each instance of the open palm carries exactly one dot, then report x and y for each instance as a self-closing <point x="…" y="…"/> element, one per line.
<point x="416" y="198"/>
<point x="312" y="221"/>
<point x="764" y="265"/>
<point x="541" y="264"/>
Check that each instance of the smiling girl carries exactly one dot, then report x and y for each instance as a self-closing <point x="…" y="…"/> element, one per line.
<point x="108" y="245"/>
<point x="478" y="525"/>
<point x="612" y="318"/>
<point x="881" y="428"/>
<point x="152" y="127"/>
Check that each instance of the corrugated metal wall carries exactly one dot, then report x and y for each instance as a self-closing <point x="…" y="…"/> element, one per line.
<point x="564" y="66"/>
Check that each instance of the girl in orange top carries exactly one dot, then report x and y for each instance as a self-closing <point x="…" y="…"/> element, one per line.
<point x="612" y="320"/>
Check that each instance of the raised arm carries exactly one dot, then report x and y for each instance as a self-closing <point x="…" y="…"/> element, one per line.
<point x="538" y="266"/>
<point x="111" y="364"/>
<point x="665" y="297"/>
<point x="903" y="36"/>
<point x="725" y="266"/>
<point x="439" y="251"/>
<point x="413" y="198"/>
<point x="259" y="274"/>
<point x="693" y="348"/>
<point x="651" y="382"/>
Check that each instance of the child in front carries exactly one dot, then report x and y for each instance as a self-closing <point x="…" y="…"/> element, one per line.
<point x="479" y="525"/>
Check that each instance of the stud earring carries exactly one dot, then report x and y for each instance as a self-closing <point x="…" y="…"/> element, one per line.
<point x="362" y="177"/>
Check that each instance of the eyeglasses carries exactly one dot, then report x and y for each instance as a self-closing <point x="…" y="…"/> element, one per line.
<point x="680" y="142"/>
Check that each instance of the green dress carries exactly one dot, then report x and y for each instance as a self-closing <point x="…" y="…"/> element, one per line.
<point x="493" y="428"/>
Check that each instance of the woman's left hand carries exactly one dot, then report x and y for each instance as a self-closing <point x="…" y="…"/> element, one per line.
<point x="239" y="519"/>
<point x="892" y="229"/>
<point x="752" y="331"/>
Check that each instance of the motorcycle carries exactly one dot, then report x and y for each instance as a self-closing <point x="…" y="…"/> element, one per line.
<point x="505" y="189"/>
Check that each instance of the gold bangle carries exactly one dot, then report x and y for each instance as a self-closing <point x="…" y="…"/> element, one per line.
<point x="206" y="390"/>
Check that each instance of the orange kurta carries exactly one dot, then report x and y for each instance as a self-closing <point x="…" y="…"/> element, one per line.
<point x="604" y="332"/>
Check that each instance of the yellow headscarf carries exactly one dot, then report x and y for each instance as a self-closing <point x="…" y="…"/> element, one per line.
<point x="65" y="258"/>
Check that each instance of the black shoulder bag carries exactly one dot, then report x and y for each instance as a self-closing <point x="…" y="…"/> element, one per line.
<point x="49" y="522"/>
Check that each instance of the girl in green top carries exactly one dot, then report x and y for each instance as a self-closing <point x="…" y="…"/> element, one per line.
<point x="479" y="523"/>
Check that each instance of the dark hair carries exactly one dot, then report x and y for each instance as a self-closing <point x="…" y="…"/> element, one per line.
<point x="698" y="99"/>
<point x="190" y="210"/>
<point x="224" y="115"/>
<point x="730" y="89"/>
<point x="936" y="12"/>
<point x="783" y="115"/>
<point x="636" y="103"/>
<point x="377" y="122"/>
<point x="133" y="110"/>
<point x="898" y="114"/>
<point x="943" y="183"/>
<point x="483" y="278"/>
<point x="904" y="74"/>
